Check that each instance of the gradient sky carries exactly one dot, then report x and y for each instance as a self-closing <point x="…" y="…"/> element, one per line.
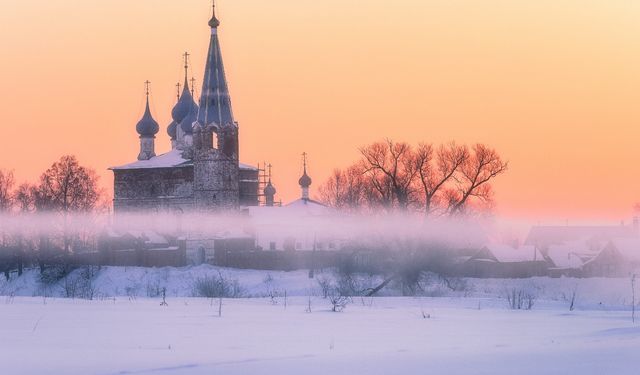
<point x="553" y="85"/>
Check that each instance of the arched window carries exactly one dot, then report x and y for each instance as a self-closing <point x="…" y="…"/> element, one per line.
<point x="214" y="140"/>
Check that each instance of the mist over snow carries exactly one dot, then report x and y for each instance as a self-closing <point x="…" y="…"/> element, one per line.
<point x="365" y="228"/>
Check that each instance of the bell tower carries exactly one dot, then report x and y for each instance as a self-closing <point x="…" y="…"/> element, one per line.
<point x="215" y="136"/>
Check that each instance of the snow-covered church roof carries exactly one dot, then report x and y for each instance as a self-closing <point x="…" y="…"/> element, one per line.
<point x="171" y="159"/>
<point x="308" y="207"/>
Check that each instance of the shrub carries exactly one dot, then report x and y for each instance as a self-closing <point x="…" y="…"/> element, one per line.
<point x="271" y="291"/>
<point x="325" y="283"/>
<point x="53" y="274"/>
<point x="80" y="284"/>
<point x="519" y="299"/>
<point x="154" y="290"/>
<point x="217" y="286"/>
<point x="338" y="300"/>
<point x="356" y="284"/>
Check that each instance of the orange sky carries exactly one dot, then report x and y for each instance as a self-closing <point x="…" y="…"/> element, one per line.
<point x="553" y="85"/>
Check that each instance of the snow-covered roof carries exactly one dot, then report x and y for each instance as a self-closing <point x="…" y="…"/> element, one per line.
<point x="171" y="159"/>
<point x="308" y="207"/>
<point x="507" y="254"/>
<point x="571" y="255"/>
<point x="247" y="166"/>
<point x="159" y="249"/>
<point x="150" y="237"/>
<point x="296" y="209"/>
<point x="548" y="235"/>
<point x="628" y="248"/>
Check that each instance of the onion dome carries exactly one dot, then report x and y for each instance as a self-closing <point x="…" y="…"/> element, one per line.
<point x="182" y="107"/>
<point x="214" y="22"/>
<point x="187" y="122"/>
<point x="305" y="180"/>
<point x="147" y="126"/>
<point x="172" y="130"/>
<point x="269" y="190"/>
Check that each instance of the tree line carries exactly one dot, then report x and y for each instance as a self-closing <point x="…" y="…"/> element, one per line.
<point x="447" y="179"/>
<point x="65" y="187"/>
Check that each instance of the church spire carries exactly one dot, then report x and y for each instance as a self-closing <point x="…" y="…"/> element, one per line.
<point x="215" y="102"/>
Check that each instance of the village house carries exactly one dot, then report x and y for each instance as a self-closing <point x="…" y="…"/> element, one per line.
<point x="589" y="251"/>
<point x="504" y="261"/>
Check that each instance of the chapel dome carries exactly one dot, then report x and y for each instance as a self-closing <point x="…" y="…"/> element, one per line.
<point x="147" y="126"/>
<point x="269" y="189"/>
<point x="187" y="122"/>
<point x="172" y="130"/>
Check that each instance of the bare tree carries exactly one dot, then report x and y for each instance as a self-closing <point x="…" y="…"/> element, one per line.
<point x="68" y="187"/>
<point x="24" y="197"/>
<point x="448" y="179"/>
<point x="392" y="168"/>
<point x="345" y="189"/>
<point x="338" y="300"/>
<point x="436" y="169"/>
<point x="479" y="169"/>
<point x="6" y="187"/>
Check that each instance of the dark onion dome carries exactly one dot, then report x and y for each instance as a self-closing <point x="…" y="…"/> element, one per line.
<point x="172" y="130"/>
<point x="181" y="109"/>
<point x="269" y="190"/>
<point x="305" y="180"/>
<point x="214" y="22"/>
<point x="187" y="123"/>
<point x="147" y="126"/>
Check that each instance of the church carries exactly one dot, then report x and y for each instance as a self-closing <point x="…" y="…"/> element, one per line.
<point x="202" y="171"/>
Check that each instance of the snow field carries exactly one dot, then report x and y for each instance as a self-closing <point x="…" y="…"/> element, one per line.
<point x="372" y="336"/>
<point x="468" y="331"/>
